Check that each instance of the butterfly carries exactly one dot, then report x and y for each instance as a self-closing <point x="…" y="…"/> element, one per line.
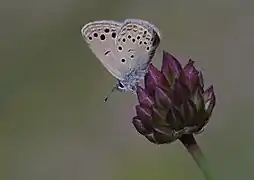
<point x="124" y="48"/>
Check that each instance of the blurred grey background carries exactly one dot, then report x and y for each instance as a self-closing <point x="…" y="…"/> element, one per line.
<point x="54" y="123"/>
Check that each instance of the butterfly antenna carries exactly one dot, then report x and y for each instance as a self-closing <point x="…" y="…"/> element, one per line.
<point x="109" y="94"/>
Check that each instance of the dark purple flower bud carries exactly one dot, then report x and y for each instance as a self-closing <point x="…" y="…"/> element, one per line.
<point x="171" y="68"/>
<point x="160" y="138"/>
<point x="208" y="94"/>
<point x="140" y="127"/>
<point x="190" y="76"/>
<point x="198" y="99"/>
<point x="175" y="119"/>
<point x="188" y="111"/>
<point x="201" y="81"/>
<point x="144" y="112"/>
<point x="179" y="92"/>
<point x="151" y="138"/>
<point x="153" y="79"/>
<point x="161" y="98"/>
<point x="143" y="97"/>
<point x="173" y="103"/>
<point x="158" y="117"/>
<point x="209" y="100"/>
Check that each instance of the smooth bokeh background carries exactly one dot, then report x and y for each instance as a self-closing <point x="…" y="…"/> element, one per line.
<point x="54" y="123"/>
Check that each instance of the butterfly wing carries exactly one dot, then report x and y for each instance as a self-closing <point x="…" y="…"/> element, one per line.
<point x="140" y="40"/>
<point x="100" y="37"/>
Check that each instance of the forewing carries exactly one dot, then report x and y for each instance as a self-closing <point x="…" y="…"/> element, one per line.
<point x="101" y="37"/>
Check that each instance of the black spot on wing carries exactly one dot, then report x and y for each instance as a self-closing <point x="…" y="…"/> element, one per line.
<point x="107" y="52"/>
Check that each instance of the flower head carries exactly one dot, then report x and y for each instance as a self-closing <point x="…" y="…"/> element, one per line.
<point x="173" y="102"/>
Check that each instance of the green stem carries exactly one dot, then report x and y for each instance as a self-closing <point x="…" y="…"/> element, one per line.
<point x="191" y="145"/>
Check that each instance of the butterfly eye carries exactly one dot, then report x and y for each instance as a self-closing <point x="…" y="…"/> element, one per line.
<point x="121" y="85"/>
<point x="90" y="38"/>
<point x="95" y="35"/>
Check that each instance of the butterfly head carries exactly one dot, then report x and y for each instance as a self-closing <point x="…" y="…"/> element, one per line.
<point x="120" y="86"/>
<point x="132" y="79"/>
<point x="130" y="82"/>
<point x="123" y="86"/>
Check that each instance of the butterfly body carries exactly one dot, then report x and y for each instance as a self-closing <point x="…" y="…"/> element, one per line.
<point x="124" y="48"/>
<point x="132" y="79"/>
